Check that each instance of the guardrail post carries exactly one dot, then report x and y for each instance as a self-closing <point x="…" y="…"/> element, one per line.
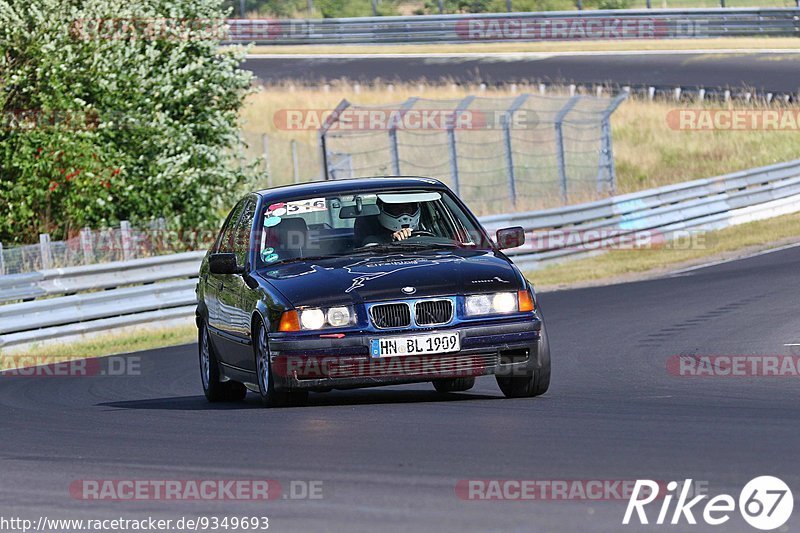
<point x="508" y="119"/>
<point x="125" y="235"/>
<point x="562" y="164"/>
<point x="86" y="245"/>
<point x="2" y="261"/>
<point x="395" y="152"/>
<point x="323" y="133"/>
<point x="451" y="142"/>
<point x="45" y="251"/>
<point x="606" y="162"/>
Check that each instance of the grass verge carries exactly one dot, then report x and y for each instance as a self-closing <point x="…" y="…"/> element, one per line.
<point x="649" y="151"/>
<point x="631" y="265"/>
<point x="743" y="43"/>
<point x="101" y="345"/>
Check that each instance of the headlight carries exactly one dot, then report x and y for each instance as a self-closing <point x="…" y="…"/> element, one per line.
<point x="339" y="316"/>
<point x="491" y="304"/>
<point x="313" y="318"/>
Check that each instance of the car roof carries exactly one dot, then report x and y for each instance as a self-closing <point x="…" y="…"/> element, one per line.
<point x="332" y="187"/>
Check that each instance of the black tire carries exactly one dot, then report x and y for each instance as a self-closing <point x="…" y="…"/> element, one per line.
<point x="453" y="384"/>
<point x="535" y="383"/>
<point x="214" y="389"/>
<point x="269" y="396"/>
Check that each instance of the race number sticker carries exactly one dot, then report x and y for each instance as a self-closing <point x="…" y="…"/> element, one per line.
<point x="297" y="208"/>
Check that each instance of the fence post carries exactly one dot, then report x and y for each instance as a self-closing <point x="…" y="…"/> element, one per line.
<point x="451" y="142"/>
<point x="509" y="7"/>
<point x="395" y="152"/>
<point x="265" y="150"/>
<point x="562" y="164"/>
<point x="295" y="163"/>
<point x="323" y="132"/>
<point x="45" y="251"/>
<point x="2" y="262"/>
<point x="125" y="235"/>
<point x="607" y="153"/>
<point x="86" y="245"/>
<point x="508" y="119"/>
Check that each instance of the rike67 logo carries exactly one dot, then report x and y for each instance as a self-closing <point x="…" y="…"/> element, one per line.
<point x="765" y="503"/>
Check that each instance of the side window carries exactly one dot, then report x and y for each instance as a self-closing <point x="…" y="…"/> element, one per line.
<point x="225" y="241"/>
<point x="241" y="244"/>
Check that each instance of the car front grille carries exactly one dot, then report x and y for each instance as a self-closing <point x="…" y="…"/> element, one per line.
<point x="397" y="315"/>
<point x="433" y="312"/>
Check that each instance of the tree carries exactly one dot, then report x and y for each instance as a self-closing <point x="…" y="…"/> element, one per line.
<point x="116" y="110"/>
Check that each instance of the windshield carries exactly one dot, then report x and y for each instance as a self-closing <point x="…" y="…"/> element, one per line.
<point x="355" y="223"/>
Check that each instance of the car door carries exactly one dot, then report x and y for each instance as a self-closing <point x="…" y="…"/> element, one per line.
<point x="236" y="293"/>
<point x="215" y="284"/>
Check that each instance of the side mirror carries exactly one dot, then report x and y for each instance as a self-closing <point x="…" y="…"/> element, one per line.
<point x="510" y="237"/>
<point x="224" y="264"/>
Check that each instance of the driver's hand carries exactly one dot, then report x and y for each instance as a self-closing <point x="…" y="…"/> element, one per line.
<point x="402" y="235"/>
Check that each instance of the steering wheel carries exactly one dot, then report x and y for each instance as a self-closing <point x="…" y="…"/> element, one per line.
<point x="422" y="233"/>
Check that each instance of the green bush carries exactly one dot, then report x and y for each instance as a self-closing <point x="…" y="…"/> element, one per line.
<point x="106" y="123"/>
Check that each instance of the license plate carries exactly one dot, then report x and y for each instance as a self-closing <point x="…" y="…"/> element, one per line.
<point x="416" y="345"/>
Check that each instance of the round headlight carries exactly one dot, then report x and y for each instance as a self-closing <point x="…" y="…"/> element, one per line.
<point x="338" y="316"/>
<point x="504" y="302"/>
<point x="312" y="319"/>
<point x="479" y="305"/>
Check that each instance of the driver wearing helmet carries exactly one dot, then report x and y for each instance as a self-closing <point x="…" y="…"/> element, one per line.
<point x="396" y="222"/>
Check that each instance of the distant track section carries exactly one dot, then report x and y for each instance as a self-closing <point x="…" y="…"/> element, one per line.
<point x="762" y="72"/>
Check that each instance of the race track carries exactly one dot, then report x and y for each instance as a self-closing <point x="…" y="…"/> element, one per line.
<point x="389" y="459"/>
<point x="762" y="72"/>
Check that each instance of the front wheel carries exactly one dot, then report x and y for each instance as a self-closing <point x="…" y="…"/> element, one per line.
<point x="214" y="389"/>
<point x="269" y="396"/>
<point x="534" y="383"/>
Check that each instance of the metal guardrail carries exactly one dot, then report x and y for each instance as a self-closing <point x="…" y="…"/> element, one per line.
<point x="97" y="297"/>
<point x="159" y="288"/>
<point x="662" y="213"/>
<point x="530" y="26"/>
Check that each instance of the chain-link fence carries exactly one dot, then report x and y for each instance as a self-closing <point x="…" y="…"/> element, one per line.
<point x="89" y="247"/>
<point x="498" y="154"/>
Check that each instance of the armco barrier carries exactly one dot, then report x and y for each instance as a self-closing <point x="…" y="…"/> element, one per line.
<point x="530" y="26"/>
<point x="159" y="288"/>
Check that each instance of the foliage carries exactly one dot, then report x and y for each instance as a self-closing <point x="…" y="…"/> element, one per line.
<point x="132" y="118"/>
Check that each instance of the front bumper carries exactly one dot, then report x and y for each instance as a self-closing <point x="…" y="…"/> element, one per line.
<point x="510" y="347"/>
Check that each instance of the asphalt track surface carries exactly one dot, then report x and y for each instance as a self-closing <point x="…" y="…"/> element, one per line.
<point x="762" y="72"/>
<point x="390" y="458"/>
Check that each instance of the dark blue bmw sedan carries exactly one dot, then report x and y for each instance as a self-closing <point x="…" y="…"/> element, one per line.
<point x="364" y="282"/>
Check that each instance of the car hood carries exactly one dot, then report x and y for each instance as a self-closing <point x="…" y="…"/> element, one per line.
<point x="373" y="278"/>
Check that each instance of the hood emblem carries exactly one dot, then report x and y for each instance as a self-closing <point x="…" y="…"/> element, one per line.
<point x="409" y="290"/>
